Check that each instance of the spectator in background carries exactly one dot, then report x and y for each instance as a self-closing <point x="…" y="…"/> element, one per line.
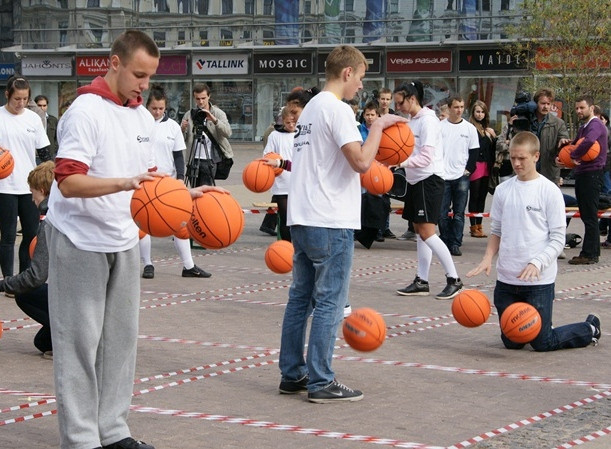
<point x="478" y="187"/>
<point x="43" y="103"/>
<point x="588" y="178"/>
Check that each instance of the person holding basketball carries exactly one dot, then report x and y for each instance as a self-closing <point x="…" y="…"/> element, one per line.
<point x="527" y="231"/>
<point x="327" y="157"/>
<point x="425" y="188"/>
<point x="94" y="282"/>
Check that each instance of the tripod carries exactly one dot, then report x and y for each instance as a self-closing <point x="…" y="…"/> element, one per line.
<point x="200" y="171"/>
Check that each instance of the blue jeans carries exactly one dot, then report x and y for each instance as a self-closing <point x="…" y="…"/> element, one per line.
<point x="321" y="273"/>
<point x="576" y="335"/>
<point x="455" y="194"/>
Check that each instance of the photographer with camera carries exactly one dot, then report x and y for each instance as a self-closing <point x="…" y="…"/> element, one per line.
<point x="206" y="130"/>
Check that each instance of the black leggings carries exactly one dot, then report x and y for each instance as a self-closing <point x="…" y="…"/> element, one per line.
<point x="478" y="190"/>
<point x="11" y="207"/>
<point x="281" y="201"/>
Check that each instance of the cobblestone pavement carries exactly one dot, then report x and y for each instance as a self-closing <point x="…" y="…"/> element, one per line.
<point x="207" y="372"/>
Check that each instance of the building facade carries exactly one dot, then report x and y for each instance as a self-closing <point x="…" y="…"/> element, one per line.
<point x="253" y="52"/>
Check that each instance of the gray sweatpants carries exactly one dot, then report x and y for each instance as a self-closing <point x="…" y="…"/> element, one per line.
<point x="93" y="308"/>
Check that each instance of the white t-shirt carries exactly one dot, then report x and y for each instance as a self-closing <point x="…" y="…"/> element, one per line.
<point x="526" y="211"/>
<point x="282" y="144"/>
<point x="324" y="191"/>
<point x="114" y="142"/>
<point x="22" y="134"/>
<point x="458" y="139"/>
<point x="167" y="139"/>
<point x="427" y="132"/>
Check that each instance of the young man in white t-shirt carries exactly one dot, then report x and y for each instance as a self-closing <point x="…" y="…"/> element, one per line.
<point x="323" y="212"/>
<point x="104" y="154"/>
<point x="460" y="149"/>
<point x="528" y="233"/>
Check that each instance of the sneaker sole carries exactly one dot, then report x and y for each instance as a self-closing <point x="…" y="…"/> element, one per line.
<point x="337" y="399"/>
<point x="448" y="297"/>
<point x="281" y="391"/>
<point x="413" y="294"/>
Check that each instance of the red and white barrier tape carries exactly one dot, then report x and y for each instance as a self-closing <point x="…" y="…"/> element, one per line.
<point x="586" y="438"/>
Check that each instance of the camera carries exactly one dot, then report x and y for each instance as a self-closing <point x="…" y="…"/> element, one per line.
<point x="525" y="109"/>
<point x="198" y="116"/>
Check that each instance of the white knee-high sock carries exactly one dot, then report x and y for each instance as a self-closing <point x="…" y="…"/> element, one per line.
<point x="183" y="247"/>
<point x="425" y="256"/>
<point x="443" y="254"/>
<point x="145" y="250"/>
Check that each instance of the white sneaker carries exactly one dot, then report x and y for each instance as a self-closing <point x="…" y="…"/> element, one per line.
<point x="347" y="311"/>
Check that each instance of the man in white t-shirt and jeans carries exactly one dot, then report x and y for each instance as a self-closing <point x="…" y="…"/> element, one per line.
<point x="460" y="148"/>
<point x="324" y="206"/>
<point x="527" y="231"/>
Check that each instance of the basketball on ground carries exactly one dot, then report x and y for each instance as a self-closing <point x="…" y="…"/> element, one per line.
<point x="162" y="206"/>
<point x="279" y="256"/>
<point x="217" y="220"/>
<point x="258" y="177"/>
<point x="396" y="144"/>
<point x="471" y="308"/>
<point x="378" y="179"/>
<point x="521" y="322"/>
<point x="7" y="163"/>
<point x="278" y="170"/>
<point x="364" y="329"/>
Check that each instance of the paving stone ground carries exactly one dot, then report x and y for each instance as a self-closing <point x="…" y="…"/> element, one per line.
<point x="207" y="371"/>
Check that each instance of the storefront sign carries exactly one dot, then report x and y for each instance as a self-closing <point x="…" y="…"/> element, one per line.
<point x="92" y="65"/>
<point x="46" y="66"/>
<point x="373" y="59"/>
<point x="220" y="64"/>
<point x="419" y="61"/>
<point x="172" y="65"/>
<point x="282" y="63"/>
<point x="490" y="60"/>
<point x="6" y="71"/>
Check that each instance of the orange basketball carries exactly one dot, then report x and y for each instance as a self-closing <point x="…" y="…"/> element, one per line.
<point x="141" y="234"/>
<point x="471" y="308"/>
<point x="258" y="177"/>
<point x="521" y="322"/>
<point x="378" y="179"/>
<point x="162" y="206"/>
<point x="279" y="256"/>
<point x="565" y="153"/>
<point x="364" y="330"/>
<point x="7" y="163"/>
<point x="182" y="234"/>
<point x="277" y="171"/>
<point x="217" y="220"/>
<point x="32" y="246"/>
<point x="396" y="144"/>
<point x="592" y="152"/>
<point x="565" y="156"/>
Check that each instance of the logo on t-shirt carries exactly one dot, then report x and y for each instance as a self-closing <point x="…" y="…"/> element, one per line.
<point x="302" y="130"/>
<point x="533" y="209"/>
<point x="143" y="139"/>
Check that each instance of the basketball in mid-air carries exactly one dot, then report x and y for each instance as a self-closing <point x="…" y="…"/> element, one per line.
<point x="162" y="206"/>
<point x="396" y="144"/>
<point x="471" y="308"/>
<point x="7" y="163"/>
<point x="279" y="256"/>
<point x="217" y="220"/>
<point x="258" y="177"/>
<point x="364" y="329"/>
<point x="521" y="322"/>
<point x="378" y="179"/>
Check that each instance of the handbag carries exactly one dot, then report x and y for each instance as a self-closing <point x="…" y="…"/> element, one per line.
<point x="399" y="185"/>
<point x="223" y="163"/>
<point x="493" y="179"/>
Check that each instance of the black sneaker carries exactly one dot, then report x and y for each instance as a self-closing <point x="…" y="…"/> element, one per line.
<point x="416" y="288"/>
<point x="388" y="234"/>
<point x="294" y="386"/>
<point x="453" y="286"/>
<point x="195" y="272"/>
<point x="148" y="272"/>
<point x="268" y="230"/>
<point x="455" y="251"/>
<point x="335" y="392"/>
<point x="594" y="320"/>
<point x="129" y="443"/>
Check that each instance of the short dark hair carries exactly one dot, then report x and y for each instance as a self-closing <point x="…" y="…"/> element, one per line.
<point x="413" y="89"/>
<point x="371" y="105"/>
<point x="587" y="98"/>
<point x="543" y="92"/>
<point x="17" y="82"/>
<point x="454" y="98"/>
<point x="37" y="98"/>
<point x="157" y="92"/>
<point x="198" y="88"/>
<point x="129" y="41"/>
